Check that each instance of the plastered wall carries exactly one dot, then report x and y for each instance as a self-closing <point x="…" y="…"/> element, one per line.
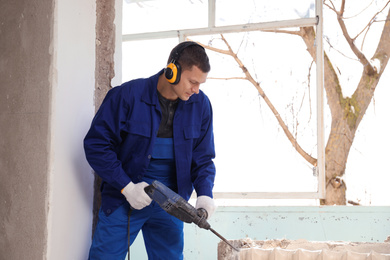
<point x="71" y="180"/>
<point x="26" y="31"/>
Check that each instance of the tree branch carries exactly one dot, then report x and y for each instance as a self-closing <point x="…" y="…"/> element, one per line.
<point x="368" y="26"/>
<point x="283" y="31"/>
<point x="367" y="85"/>
<point x="368" y="68"/>
<point x="331" y="84"/>
<point x="383" y="50"/>
<point x="216" y="49"/>
<point x="249" y="77"/>
<point x="333" y="8"/>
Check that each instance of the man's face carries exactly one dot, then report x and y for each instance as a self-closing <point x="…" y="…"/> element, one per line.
<point x="190" y="81"/>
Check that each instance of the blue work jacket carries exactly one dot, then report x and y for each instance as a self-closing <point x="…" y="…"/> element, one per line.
<point x="119" y="144"/>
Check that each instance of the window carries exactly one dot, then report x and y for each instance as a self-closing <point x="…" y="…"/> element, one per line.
<point x="255" y="159"/>
<point x="232" y="12"/>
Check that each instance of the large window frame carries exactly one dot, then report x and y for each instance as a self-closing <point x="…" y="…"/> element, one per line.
<point x="317" y="21"/>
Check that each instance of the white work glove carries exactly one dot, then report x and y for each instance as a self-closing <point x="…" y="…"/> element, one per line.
<point x="207" y="203"/>
<point x="136" y="195"/>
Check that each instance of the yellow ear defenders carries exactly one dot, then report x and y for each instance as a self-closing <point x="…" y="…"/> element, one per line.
<point x="173" y="70"/>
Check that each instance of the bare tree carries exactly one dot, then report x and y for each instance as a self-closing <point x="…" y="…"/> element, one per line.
<point x="346" y="112"/>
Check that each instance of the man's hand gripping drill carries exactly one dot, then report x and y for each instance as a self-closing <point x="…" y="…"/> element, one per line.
<point x="178" y="207"/>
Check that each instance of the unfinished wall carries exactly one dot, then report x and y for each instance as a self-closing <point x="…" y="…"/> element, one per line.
<point x="328" y="223"/>
<point x="26" y="31"/>
<point x="47" y="66"/>
<point x="104" y="72"/>
<point x="302" y="249"/>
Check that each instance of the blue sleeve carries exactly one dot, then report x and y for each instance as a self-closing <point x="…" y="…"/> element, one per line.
<point x="103" y="139"/>
<point x="203" y="168"/>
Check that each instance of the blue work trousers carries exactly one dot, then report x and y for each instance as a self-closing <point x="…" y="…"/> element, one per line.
<point x="163" y="234"/>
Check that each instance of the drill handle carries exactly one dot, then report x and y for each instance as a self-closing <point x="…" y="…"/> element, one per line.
<point x="202" y="213"/>
<point x="201" y="219"/>
<point x="175" y="205"/>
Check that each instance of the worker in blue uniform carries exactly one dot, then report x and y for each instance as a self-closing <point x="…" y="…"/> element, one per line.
<point x="156" y="128"/>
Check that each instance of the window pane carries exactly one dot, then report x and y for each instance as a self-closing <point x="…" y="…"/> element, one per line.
<point x="230" y="12"/>
<point x="253" y="152"/>
<point x="145" y="58"/>
<point x="163" y="15"/>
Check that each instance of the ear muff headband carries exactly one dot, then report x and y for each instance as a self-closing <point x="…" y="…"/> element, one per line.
<point x="173" y="69"/>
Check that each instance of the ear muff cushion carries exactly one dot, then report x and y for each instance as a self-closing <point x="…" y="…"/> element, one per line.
<point x="172" y="73"/>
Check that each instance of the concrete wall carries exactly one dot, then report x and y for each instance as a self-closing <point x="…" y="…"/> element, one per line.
<point x="26" y="53"/>
<point x="47" y="64"/>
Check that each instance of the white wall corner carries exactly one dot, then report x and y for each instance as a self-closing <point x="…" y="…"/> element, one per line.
<point x="117" y="80"/>
<point x="70" y="191"/>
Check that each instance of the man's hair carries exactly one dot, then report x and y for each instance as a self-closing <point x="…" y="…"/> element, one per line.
<point x="192" y="55"/>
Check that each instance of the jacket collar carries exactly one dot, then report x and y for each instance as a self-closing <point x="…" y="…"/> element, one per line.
<point x="149" y="95"/>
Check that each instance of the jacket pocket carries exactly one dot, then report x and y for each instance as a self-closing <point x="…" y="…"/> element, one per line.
<point x="138" y="128"/>
<point x="191" y="132"/>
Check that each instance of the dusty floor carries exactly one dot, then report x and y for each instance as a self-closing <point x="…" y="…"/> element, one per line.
<point x="246" y="245"/>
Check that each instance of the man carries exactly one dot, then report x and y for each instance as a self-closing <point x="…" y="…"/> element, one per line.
<point x="158" y="128"/>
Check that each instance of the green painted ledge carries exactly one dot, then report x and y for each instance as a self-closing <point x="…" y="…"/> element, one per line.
<point x="327" y="223"/>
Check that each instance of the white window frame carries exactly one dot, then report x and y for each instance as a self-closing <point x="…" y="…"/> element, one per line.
<point x="212" y="29"/>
